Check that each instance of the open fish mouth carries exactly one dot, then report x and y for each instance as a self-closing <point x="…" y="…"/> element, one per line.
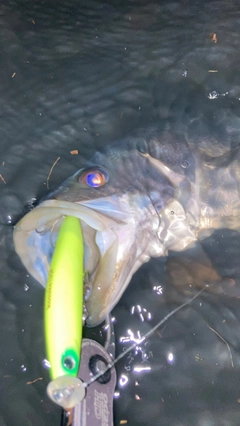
<point x="124" y="220"/>
<point x="111" y="250"/>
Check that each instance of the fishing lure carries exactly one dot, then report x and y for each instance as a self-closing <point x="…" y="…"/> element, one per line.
<point x="63" y="305"/>
<point x="63" y="310"/>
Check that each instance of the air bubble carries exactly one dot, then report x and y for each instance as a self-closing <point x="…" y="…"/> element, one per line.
<point x="46" y="363"/>
<point x="185" y="164"/>
<point x="213" y="95"/>
<point x="10" y="207"/>
<point x="123" y="380"/>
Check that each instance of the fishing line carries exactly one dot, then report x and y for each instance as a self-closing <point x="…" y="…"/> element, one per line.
<point x="145" y="337"/>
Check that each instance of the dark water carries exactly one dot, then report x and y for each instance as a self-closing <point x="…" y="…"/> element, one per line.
<point x="78" y="75"/>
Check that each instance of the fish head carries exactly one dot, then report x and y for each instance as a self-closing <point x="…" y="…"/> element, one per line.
<point x="124" y="204"/>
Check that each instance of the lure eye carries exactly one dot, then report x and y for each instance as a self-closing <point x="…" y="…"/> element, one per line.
<point x="94" y="178"/>
<point x="69" y="363"/>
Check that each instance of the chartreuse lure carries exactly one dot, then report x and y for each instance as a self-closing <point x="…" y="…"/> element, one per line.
<point x="63" y="308"/>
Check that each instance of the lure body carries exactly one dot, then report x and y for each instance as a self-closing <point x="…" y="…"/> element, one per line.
<point x="63" y="305"/>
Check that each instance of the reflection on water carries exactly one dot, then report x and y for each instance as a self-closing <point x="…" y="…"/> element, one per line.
<point x="77" y="77"/>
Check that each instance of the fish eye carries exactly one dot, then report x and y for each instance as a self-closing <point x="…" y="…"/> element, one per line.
<point x="94" y="178"/>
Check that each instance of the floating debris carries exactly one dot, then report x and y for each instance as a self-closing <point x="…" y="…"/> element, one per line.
<point x="213" y="37"/>
<point x="49" y="174"/>
<point x="34" y="381"/>
<point x="2" y="179"/>
<point x="226" y="343"/>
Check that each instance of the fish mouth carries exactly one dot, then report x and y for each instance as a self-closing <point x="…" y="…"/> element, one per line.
<point x="111" y="254"/>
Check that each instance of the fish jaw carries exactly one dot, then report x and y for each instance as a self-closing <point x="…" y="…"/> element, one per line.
<point x="120" y="234"/>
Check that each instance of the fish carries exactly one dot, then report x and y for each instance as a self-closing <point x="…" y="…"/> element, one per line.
<point x="156" y="191"/>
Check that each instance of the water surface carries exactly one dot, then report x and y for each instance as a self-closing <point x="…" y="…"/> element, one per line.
<point x="77" y="76"/>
